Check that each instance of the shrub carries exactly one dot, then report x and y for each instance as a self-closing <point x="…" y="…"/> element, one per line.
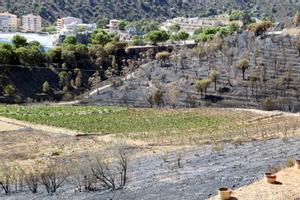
<point x="9" y="90"/>
<point x="53" y="177"/>
<point x="6" y="178"/>
<point x="260" y="28"/>
<point x="111" y="175"/>
<point x="290" y="162"/>
<point x="32" y="180"/>
<point x="112" y="47"/>
<point x="163" y="57"/>
<point x="202" y="85"/>
<point x="243" y="65"/>
<point x="68" y="96"/>
<point x="46" y="87"/>
<point x="268" y="104"/>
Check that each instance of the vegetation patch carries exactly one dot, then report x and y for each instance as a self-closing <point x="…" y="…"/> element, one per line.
<point x="122" y="120"/>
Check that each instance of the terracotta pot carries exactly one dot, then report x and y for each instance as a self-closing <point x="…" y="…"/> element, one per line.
<point x="297" y="164"/>
<point x="270" y="178"/>
<point x="225" y="193"/>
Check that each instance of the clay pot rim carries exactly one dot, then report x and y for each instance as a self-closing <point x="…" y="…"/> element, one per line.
<point x="271" y="176"/>
<point x="224" y="189"/>
<point x="268" y="174"/>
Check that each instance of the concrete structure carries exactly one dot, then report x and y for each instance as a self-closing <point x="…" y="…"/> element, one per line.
<point x="113" y="25"/>
<point x="66" y="21"/>
<point x="192" y="24"/>
<point x="31" y="23"/>
<point x="77" y="28"/>
<point x="8" y="22"/>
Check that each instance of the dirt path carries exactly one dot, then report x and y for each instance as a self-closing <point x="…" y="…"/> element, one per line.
<point x="8" y="124"/>
<point x="263" y="112"/>
<point x="4" y="126"/>
<point x="5" y="123"/>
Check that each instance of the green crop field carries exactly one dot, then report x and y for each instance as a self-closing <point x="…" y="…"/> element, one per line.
<point x="119" y="120"/>
<point x="161" y="126"/>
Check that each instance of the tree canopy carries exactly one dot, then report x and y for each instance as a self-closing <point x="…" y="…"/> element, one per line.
<point x="158" y="36"/>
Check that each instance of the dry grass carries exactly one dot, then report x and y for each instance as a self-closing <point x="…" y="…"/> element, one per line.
<point x="8" y="127"/>
<point x="24" y="146"/>
<point x="288" y="190"/>
<point x="291" y="31"/>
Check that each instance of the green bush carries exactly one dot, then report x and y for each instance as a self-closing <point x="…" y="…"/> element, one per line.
<point x="9" y="90"/>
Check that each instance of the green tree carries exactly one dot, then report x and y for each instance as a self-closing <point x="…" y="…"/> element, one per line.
<point x="101" y="37"/>
<point x="69" y="58"/>
<point x="19" y="41"/>
<point x="54" y="56"/>
<point x="122" y="25"/>
<point x="70" y="40"/>
<point x="6" y="54"/>
<point x="137" y="41"/>
<point x="101" y="23"/>
<point x="97" y="54"/>
<point x="233" y="27"/>
<point x="9" y="90"/>
<point x="112" y="47"/>
<point x="175" y="28"/>
<point x="29" y="55"/>
<point x="174" y="37"/>
<point x="183" y="36"/>
<point x="158" y="36"/>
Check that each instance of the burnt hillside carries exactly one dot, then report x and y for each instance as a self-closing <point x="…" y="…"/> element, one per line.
<point x="271" y="79"/>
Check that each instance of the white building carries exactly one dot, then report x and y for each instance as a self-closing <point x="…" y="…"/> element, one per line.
<point x="67" y="21"/>
<point x="31" y="23"/>
<point x="8" y="22"/>
<point x="75" y="28"/>
<point x="113" y="25"/>
<point x="191" y="24"/>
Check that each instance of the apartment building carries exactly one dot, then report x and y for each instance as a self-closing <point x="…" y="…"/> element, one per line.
<point x="31" y="23"/>
<point x="66" y="21"/>
<point x="8" y="22"/>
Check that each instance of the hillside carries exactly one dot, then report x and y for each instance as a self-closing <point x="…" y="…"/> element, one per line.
<point x="272" y="73"/>
<point x="93" y="10"/>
